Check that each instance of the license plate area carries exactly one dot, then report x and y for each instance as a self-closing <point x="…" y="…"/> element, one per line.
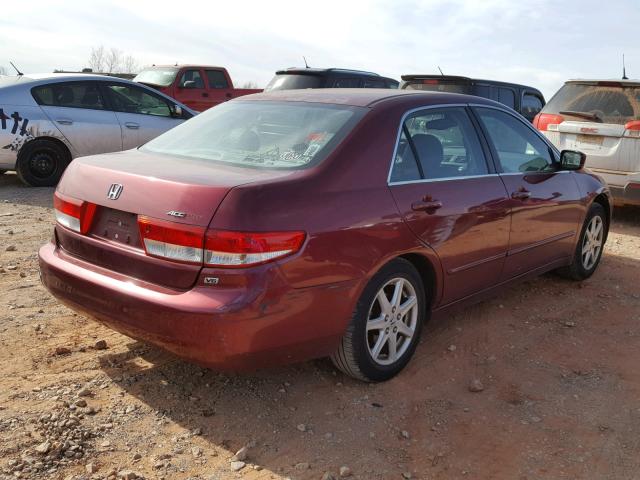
<point x="590" y="139"/>
<point x="117" y="226"/>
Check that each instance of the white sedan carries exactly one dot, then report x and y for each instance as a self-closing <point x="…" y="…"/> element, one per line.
<point x="48" y="120"/>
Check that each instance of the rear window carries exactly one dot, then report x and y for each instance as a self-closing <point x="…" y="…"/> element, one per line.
<point x="437" y="86"/>
<point x="292" y="81"/>
<point x="162" y="77"/>
<point x="261" y="134"/>
<point x="599" y="103"/>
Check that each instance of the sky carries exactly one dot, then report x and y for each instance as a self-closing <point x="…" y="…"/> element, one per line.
<point x="538" y="43"/>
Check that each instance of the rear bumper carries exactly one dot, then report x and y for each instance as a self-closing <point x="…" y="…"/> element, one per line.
<point x="234" y="328"/>
<point x="627" y="195"/>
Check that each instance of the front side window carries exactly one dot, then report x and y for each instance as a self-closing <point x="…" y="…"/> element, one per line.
<point x="518" y="147"/>
<point x="217" y="79"/>
<point x="130" y="99"/>
<point x="261" y="134"/>
<point x="440" y="143"/>
<point x="70" y="94"/>
<point x="191" y="79"/>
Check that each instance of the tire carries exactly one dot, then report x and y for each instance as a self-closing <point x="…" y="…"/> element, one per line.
<point x="592" y="239"/>
<point x="41" y="163"/>
<point x="365" y="355"/>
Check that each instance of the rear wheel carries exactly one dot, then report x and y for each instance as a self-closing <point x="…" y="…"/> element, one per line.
<point x="386" y="324"/>
<point x="590" y="245"/>
<point x="41" y="163"/>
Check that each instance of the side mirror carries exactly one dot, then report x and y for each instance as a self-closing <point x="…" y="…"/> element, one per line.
<point x="572" y="160"/>
<point x="176" y="111"/>
<point x="189" y="84"/>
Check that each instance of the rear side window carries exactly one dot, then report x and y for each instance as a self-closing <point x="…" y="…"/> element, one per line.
<point x="437" y="144"/>
<point x="347" y="83"/>
<point x="531" y="105"/>
<point x="518" y="147"/>
<point x="373" y="83"/>
<point x="217" y="79"/>
<point x="69" y="94"/>
<point x="507" y="97"/>
<point x="607" y="103"/>
<point x="130" y="99"/>
<point x="191" y="79"/>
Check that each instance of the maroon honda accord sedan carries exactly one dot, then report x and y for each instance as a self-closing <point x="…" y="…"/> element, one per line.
<point x="292" y="225"/>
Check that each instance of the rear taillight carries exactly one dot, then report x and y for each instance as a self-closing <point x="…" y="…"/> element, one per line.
<point x="240" y="249"/>
<point x="72" y="213"/>
<point x="216" y="248"/>
<point x="632" y="125"/>
<point x="543" y="121"/>
<point x="170" y="240"/>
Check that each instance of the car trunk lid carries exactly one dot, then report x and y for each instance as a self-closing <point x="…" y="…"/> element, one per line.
<point x="126" y="185"/>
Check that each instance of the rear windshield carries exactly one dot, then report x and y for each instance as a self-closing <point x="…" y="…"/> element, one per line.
<point x="261" y="134"/>
<point x="162" y="77"/>
<point x="292" y="81"/>
<point x="437" y="86"/>
<point x="598" y="103"/>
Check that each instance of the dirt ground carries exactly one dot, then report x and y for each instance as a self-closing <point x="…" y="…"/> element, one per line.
<point x="558" y="361"/>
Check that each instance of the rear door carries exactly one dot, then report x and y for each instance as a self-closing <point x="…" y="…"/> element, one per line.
<point x="79" y="111"/>
<point x="218" y="88"/>
<point x="545" y="203"/>
<point x="452" y="198"/>
<point x="142" y="114"/>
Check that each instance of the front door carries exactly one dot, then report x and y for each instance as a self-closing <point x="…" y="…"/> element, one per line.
<point x="452" y="199"/>
<point x="192" y="90"/>
<point x="78" y="110"/>
<point x="545" y="202"/>
<point x="142" y="114"/>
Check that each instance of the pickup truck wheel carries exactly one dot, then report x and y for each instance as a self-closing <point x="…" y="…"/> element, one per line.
<point x="386" y="324"/>
<point x="41" y="163"/>
<point x="589" y="248"/>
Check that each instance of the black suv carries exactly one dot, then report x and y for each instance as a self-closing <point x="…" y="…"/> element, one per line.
<point x="528" y="101"/>
<point x="297" y="78"/>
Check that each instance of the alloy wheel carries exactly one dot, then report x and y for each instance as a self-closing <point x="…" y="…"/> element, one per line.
<point x="392" y="321"/>
<point x="592" y="242"/>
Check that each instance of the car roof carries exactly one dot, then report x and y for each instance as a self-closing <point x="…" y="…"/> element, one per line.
<point x="365" y="97"/>
<point x="184" y="65"/>
<point x="43" y="77"/>
<point x="320" y="71"/>
<point x="626" y="81"/>
<point x="410" y="77"/>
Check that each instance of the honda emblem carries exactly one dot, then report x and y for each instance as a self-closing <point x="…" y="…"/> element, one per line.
<point x="114" y="191"/>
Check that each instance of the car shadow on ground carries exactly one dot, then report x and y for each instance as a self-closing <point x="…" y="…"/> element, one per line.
<point x="626" y="217"/>
<point x="12" y="190"/>
<point x="312" y="413"/>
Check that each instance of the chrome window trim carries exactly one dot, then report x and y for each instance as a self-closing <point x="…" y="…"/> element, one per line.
<point x="443" y="179"/>
<point x="519" y="117"/>
<point x="395" y="148"/>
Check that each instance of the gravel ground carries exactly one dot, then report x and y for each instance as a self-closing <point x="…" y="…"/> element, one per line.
<point x="541" y="382"/>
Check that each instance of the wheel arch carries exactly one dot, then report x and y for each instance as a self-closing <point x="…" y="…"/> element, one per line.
<point x="427" y="272"/>
<point x="55" y="140"/>
<point x="603" y="200"/>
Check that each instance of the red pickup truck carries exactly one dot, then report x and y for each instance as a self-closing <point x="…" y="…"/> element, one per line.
<point x="197" y="86"/>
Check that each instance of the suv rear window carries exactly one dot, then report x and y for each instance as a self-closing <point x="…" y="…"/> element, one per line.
<point x="293" y="81"/>
<point x="597" y="102"/>
<point x="288" y="135"/>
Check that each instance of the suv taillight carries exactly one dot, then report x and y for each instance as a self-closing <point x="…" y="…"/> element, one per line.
<point x="72" y="213"/>
<point x="632" y="125"/>
<point x="215" y="248"/>
<point x="543" y="120"/>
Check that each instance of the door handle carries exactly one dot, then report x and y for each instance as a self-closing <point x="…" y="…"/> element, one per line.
<point x="132" y="126"/>
<point x="429" y="206"/>
<point x="205" y="94"/>
<point x="521" y="194"/>
<point x="64" y="121"/>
